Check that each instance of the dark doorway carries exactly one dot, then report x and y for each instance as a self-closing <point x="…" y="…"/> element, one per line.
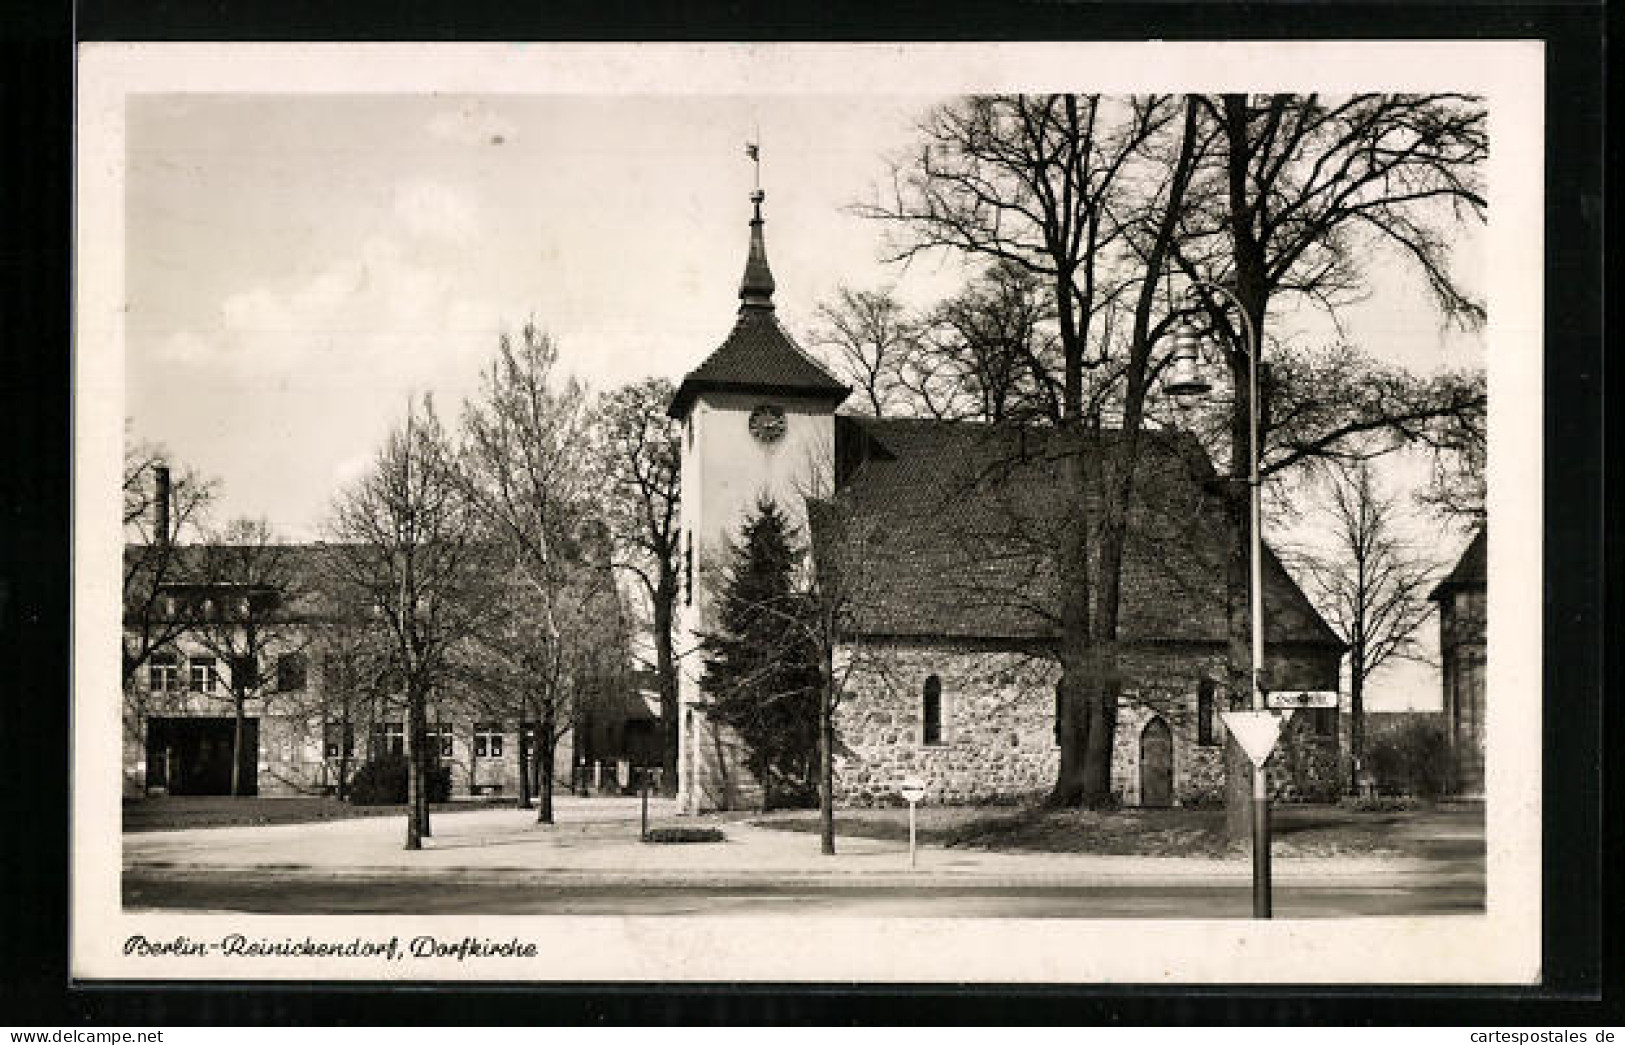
<point x="192" y="756"/>
<point x="1156" y="764"/>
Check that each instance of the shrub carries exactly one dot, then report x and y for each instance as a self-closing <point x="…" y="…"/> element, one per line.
<point x="1202" y="798"/>
<point x="1412" y="759"/>
<point x="1378" y="803"/>
<point x="683" y="834"/>
<point x="382" y="782"/>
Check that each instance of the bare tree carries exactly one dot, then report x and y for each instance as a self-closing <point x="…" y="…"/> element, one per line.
<point x="414" y="544"/>
<point x="837" y="588"/>
<point x="1370" y="584"/>
<point x="161" y="512"/>
<point x="1305" y="191"/>
<point x="1085" y="194"/>
<point x="247" y="615"/>
<point x="869" y="337"/>
<point x="352" y="660"/>
<point x="523" y="470"/>
<point x="1456" y="487"/>
<point x="989" y="353"/>
<point x="639" y="449"/>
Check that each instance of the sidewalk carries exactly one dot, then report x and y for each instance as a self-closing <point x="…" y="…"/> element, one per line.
<point x="596" y="843"/>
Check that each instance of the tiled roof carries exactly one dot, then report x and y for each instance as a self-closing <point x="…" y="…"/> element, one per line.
<point x="203" y="568"/>
<point x="1471" y="569"/>
<point x="944" y="529"/>
<point x="758" y="355"/>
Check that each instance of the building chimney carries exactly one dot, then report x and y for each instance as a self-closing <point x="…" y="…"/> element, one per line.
<point x="161" y="505"/>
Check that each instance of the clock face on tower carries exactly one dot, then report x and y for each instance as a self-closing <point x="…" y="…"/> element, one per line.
<point x="767" y="423"/>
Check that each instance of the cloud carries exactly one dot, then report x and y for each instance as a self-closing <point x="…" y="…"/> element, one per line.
<point x="472" y="124"/>
<point x="395" y="308"/>
<point x="433" y="210"/>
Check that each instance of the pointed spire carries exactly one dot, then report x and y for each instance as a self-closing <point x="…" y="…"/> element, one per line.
<point x="756" y="289"/>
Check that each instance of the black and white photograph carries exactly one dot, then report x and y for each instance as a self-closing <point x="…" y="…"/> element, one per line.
<point x="976" y="513"/>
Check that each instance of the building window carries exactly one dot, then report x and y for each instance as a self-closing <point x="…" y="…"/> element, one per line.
<point x="291" y="670"/>
<point x="438" y="740"/>
<point x="335" y="734"/>
<point x="164" y="672"/>
<point x="390" y="739"/>
<point x="488" y="740"/>
<point x="931" y="712"/>
<point x="202" y="674"/>
<point x="1205" y="733"/>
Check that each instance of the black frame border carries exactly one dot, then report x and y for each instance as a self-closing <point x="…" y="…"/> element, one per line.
<point x="1582" y="965"/>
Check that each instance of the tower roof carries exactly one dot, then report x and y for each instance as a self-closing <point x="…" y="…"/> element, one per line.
<point x="759" y="355"/>
<point x="756" y="288"/>
<point x="1471" y="570"/>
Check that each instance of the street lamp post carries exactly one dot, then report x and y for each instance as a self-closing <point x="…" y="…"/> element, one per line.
<point x="1187" y="380"/>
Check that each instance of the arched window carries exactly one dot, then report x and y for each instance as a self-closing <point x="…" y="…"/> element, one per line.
<point x="931" y="712"/>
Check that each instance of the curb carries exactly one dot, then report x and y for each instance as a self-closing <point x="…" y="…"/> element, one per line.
<point x="856" y="879"/>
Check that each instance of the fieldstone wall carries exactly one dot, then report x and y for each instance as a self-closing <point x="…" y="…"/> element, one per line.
<point x="998" y="740"/>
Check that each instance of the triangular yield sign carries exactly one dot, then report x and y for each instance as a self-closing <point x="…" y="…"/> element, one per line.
<point x="1255" y="731"/>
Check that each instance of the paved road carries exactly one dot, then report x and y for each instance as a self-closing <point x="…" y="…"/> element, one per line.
<point x="315" y="895"/>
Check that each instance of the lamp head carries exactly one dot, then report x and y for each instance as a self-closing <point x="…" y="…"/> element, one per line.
<point x="1185" y="378"/>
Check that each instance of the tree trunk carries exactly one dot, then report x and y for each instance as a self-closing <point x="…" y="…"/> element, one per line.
<point x="1252" y="292"/>
<point x="1079" y="698"/>
<point x="417" y="805"/>
<point x="826" y="753"/>
<point x="237" y="729"/>
<point x="524" y="767"/>
<point x="1238" y="778"/>
<point x="666" y="671"/>
<point x="764" y="776"/>
<point x="342" y="789"/>
<point x="546" y="749"/>
<point x="1356" y="718"/>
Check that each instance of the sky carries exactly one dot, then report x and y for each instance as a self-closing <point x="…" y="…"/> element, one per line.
<point x="297" y="266"/>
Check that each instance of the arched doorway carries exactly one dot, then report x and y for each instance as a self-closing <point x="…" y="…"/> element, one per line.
<point x="1156" y="764"/>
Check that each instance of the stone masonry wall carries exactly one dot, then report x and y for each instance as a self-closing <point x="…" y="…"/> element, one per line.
<point x="998" y="726"/>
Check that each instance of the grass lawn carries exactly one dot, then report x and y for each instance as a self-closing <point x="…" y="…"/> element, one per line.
<point x="1297" y="830"/>
<point x="182" y="813"/>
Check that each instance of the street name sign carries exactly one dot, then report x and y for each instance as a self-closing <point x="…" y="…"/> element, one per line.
<point x="1307" y="698"/>
<point x="1255" y="731"/>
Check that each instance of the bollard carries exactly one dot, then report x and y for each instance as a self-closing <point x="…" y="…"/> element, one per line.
<point x="643" y="816"/>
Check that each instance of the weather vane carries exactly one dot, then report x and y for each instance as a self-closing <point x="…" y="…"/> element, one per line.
<point x="754" y="151"/>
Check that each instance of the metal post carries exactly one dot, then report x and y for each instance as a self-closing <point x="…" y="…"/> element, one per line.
<point x="1261" y="797"/>
<point x="643" y="816"/>
<point x="1260" y="804"/>
<point x="911" y="807"/>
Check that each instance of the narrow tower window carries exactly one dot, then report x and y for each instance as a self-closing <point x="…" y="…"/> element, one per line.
<point x="688" y="568"/>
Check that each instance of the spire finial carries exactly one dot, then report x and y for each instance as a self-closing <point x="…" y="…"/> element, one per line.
<point x="756" y="289"/>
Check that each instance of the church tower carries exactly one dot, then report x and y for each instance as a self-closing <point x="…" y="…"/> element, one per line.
<point x="758" y="419"/>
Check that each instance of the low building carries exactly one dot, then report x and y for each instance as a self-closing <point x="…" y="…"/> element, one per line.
<point x="314" y="706"/>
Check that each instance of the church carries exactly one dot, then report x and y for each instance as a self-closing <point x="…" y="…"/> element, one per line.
<point x="948" y="662"/>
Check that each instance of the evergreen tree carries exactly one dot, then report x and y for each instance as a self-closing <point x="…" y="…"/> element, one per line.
<point x="760" y="667"/>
